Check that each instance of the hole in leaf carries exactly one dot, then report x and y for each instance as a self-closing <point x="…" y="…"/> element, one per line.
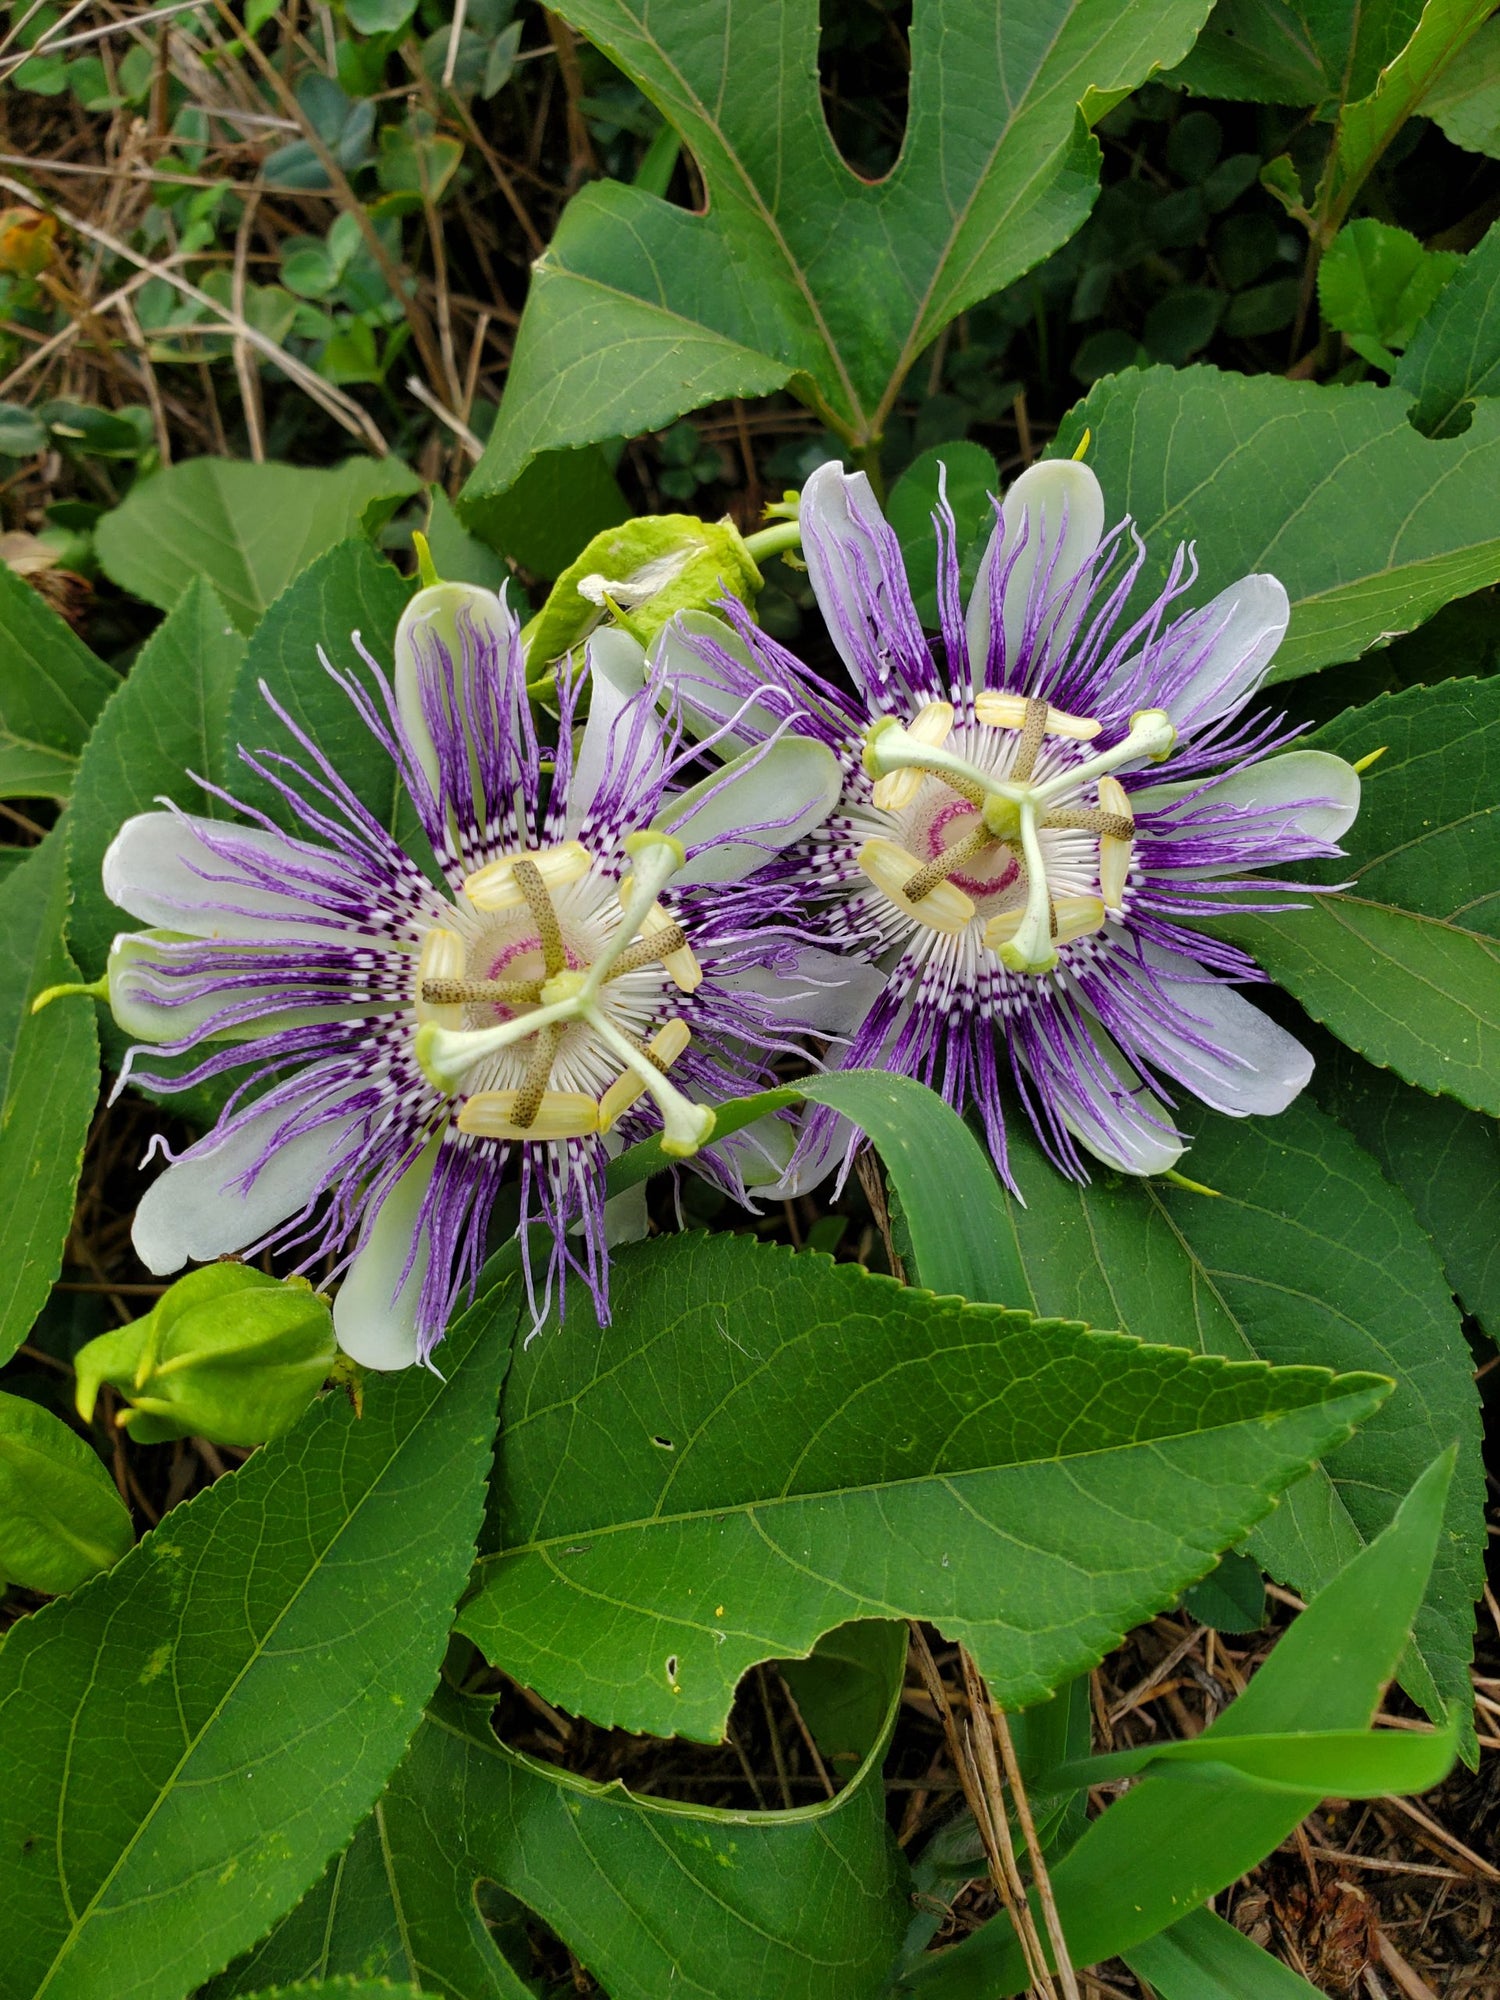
<point x="666" y="1444"/>
<point x="864" y="67"/>
<point x="671" y="1666"/>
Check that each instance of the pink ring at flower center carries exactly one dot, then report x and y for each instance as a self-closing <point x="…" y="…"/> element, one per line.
<point x="523" y="959"/>
<point x="987" y="874"/>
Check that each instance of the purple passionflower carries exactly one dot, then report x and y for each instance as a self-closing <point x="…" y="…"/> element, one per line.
<point x="1036" y="810"/>
<point x="405" y="1037"/>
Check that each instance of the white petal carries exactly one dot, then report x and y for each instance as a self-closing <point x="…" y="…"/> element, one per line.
<point x="697" y="684"/>
<point x="194" y="1211"/>
<point x="772" y="795"/>
<point x="1250" y="1067"/>
<point x="375" y="1324"/>
<point x="1308" y="792"/>
<point x="157" y="863"/>
<point x="140" y="971"/>
<point x="1062" y="505"/>
<point x="617" y="676"/>
<point x="861" y="585"/>
<point x="1249" y="621"/>
<point x="816" y="989"/>
<point x="1137" y="1137"/>
<point x="433" y="617"/>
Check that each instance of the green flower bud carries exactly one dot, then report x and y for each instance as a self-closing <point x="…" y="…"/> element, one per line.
<point x="640" y="575"/>
<point x="61" y="1520"/>
<point x="227" y="1354"/>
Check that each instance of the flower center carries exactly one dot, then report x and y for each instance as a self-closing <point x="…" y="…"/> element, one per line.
<point x="988" y="837"/>
<point x="538" y="988"/>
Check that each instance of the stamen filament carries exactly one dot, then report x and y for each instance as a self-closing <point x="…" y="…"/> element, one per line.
<point x="649" y="948"/>
<point x="446" y="1055"/>
<point x="1031" y="949"/>
<point x="939" y="869"/>
<point x="533" y="887"/>
<point x="1151" y="735"/>
<point x="685" y="1126"/>
<point x="478" y="992"/>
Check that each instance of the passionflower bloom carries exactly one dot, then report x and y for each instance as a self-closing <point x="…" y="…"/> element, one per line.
<point x="562" y="982"/>
<point x="1037" y="808"/>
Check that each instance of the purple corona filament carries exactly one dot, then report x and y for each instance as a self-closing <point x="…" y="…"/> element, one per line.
<point x="407" y="1041"/>
<point x="1036" y="808"/>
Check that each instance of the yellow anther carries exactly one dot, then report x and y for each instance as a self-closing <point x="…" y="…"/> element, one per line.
<point x="562" y="1114"/>
<point x="682" y="968"/>
<point x="1008" y="711"/>
<point x="944" y="908"/>
<point x="494" y="887"/>
<point x="931" y="727"/>
<point x="444" y="956"/>
<point x="1074" y="916"/>
<point x="664" y="1047"/>
<point x="1114" y="853"/>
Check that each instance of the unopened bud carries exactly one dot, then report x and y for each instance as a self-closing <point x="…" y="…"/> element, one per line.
<point x="227" y="1354"/>
<point x="639" y="576"/>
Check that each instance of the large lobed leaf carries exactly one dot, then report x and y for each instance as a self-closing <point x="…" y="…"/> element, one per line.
<point x="49" y="1083"/>
<point x="764" y="1445"/>
<point x="51" y="689"/>
<point x="1314" y="52"/>
<point x="1307" y="1255"/>
<point x="800" y="273"/>
<point x="187" y="1739"/>
<point x="1402" y="960"/>
<point x="248" y="529"/>
<point x="1370" y="526"/>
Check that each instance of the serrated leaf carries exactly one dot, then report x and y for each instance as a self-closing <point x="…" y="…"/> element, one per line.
<point x="1377" y="282"/>
<point x="799" y="273"/>
<point x="49" y="1083"/>
<point x="1455" y="354"/>
<point x="166" y="720"/>
<point x="1445" y="1160"/>
<point x="966" y="1467"/>
<point x="340" y="1989"/>
<point x="248" y="529"/>
<point x="1368" y="524"/>
<point x="51" y="690"/>
<point x="1307" y="1255"/>
<point x="188" y="1738"/>
<point x="347" y="590"/>
<point x="1403" y="963"/>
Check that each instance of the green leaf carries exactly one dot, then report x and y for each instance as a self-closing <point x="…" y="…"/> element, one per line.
<point x="1203" y="1958"/>
<point x="652" y="1896"/>
<point x="843" y="1688"/>
<point x="1455" y="356"/>
<point x="1307" y="1256"/>
<point x="1465" y="100"/>
<point x="458" y="556"/>
<point x="341" y="1989"/>
<point x="51" y="689"/>
<point x="947" y="1189"/>
<point x="61" y="1520"/>
<point x="1367" y="126"/>
<point x="1313" y="52"/>
<point x="166" y="719"/>
<point x="190" y="1737"/>
<point x="49" y="1083"/>
<point x="1347" y="1763"/>
<point x="1445" y="1160"/>
<point x="799" y="273"/>
<point x="1167" y="1845"/>
<point x="1231" y="1598"/>
<point x="553" y="510"/>
<point x="663" y="1468"/>
<point x="248" y="529"/>
<point x="972" y="476"/>
<point x="1403" y="964"/>
<point x="347" y="590"/>
<point x="1370" y="526"/>
<point x="1376" y="282"/>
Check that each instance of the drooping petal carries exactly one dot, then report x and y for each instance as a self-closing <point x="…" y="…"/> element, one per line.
<point x="1213" y="1041"/>
<point x="234" y="1187"/>
<point x="1050" y="525"/>
<point x="1218" y="657"/>
<point x="1101" y="1098"/>
<point x="713" y="680"/>
<point x="1305" y="795"/>
<point x="214" y="879"/>
<point x="819" y="990"/>
<point x="734" y="822"/>
<point x="375" y="1309"/>
<point x="858" y="576"/>
<point x="166" y="987"/>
